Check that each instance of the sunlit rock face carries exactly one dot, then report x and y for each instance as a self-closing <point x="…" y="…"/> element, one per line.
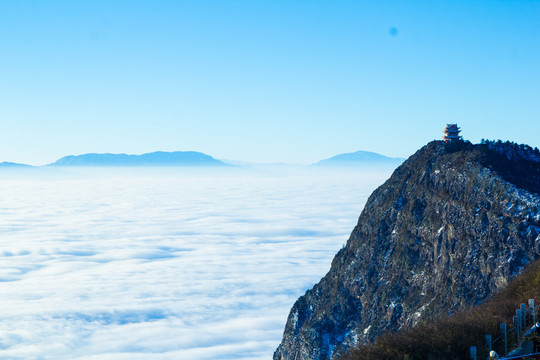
<point x="451" y="226"/>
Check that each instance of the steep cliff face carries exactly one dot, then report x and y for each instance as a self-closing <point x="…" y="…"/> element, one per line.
<point x="451" y="226"/>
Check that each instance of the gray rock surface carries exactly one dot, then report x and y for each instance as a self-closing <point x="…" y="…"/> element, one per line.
<point x="453" y="224"/>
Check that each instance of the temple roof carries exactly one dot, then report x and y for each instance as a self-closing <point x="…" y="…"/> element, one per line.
<point x="451" y="132"/>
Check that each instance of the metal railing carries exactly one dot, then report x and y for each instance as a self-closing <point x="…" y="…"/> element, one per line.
<point x="511" y="337"/>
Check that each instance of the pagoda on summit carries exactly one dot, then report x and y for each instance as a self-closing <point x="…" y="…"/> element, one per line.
<point x="451" y="133"/>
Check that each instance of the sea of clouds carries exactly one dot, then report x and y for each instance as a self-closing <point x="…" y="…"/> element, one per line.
<point x="168" y="264"/>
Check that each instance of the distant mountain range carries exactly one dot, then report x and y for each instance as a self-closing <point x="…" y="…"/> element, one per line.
<point x="360" y="158"/>
<point x="158" y="158"/>
<point x="7" y="164"/>
<point x="194" y="158"/>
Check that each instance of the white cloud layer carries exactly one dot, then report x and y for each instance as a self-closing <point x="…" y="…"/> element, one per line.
<point x="175" y="265"/>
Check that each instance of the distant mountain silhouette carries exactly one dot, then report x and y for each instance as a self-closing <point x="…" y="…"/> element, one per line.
<point x="7" y="164"/>
<point x="360" y="158"/>
<point x="158" y="158"/>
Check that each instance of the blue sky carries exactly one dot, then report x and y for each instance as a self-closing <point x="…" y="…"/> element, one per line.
<point x="264" y="81"/>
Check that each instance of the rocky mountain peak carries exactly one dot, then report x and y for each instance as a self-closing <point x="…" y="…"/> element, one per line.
<point x="453" y="224"/>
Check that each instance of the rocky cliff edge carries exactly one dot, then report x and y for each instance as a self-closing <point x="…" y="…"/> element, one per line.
<point x="452" y="225"/>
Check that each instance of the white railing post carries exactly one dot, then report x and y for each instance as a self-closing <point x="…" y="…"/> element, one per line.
<point x="488" y="343"/>
<point x="523" y="309"/>
<point x="503" y="330"/>
<point x="473" y="352"/>
<point x="516" y="328"/>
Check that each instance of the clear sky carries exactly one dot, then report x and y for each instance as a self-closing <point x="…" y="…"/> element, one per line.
<point x="264" y="81"/>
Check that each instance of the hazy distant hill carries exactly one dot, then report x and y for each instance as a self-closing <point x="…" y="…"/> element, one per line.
<point x="158" y="158"/>
<point x="360" y="158"/>
<point x="7" y="164"/>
